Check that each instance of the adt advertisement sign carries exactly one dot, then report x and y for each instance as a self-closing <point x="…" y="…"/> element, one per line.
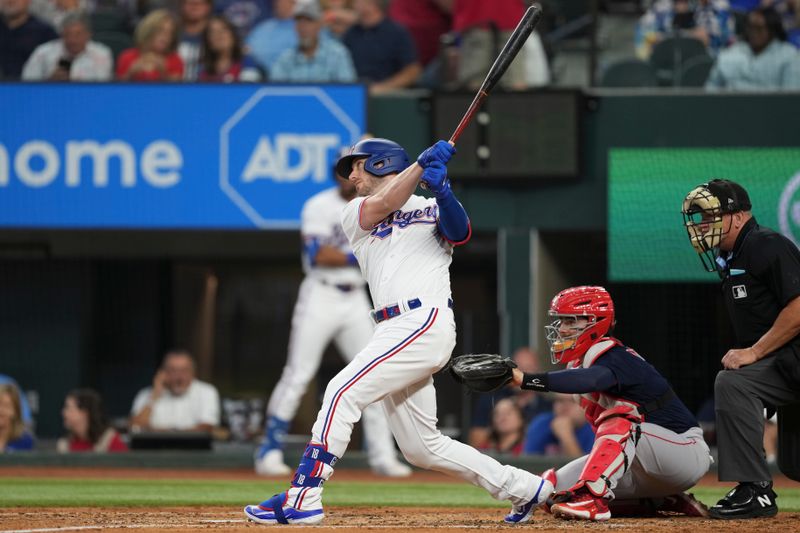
<point x="172" y="156"/>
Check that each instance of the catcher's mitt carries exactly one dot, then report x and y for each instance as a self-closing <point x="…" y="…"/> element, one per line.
<point x="482" y="372"/>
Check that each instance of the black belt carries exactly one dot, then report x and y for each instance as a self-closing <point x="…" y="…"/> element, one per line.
<point x="391" y="311"/>
<point x="344" y="287"/>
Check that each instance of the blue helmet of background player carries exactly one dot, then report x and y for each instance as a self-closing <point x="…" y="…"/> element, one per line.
<point x="382" y="157"/>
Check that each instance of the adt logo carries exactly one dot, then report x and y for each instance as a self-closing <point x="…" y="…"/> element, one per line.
<point x="278" y="149"/>
<point x="789" y="210"/>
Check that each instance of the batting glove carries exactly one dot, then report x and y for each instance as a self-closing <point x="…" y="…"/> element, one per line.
<point x="435" y="178"/>
<point x="442" y="151"/>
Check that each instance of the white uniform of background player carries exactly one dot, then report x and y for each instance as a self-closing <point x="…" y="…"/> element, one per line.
<point x="331" y="305"/>
<point x="398" y="239"/>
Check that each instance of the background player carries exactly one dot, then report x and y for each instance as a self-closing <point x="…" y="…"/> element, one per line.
<point x="404" y="244"/>
<point x="331" y="305"/>
<point x="647" y="443"/>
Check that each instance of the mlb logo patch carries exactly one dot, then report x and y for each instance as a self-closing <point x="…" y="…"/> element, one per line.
<point x="739" y="292"/>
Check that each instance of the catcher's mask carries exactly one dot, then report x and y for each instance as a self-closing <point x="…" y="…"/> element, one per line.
<point x="582" y="316"/>
<point x="382" y="157"/>
<point x="703" y="210"/>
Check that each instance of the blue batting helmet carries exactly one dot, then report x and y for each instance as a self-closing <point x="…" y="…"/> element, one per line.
<point x="382" y="157"/>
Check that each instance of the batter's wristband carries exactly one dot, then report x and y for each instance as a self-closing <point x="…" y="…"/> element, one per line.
<point x="537" y="382"/>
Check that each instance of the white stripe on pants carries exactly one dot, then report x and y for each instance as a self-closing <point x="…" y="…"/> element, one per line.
<point x="397" y="367"/>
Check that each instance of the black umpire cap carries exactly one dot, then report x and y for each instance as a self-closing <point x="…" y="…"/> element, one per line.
<point x="732" y="196"/>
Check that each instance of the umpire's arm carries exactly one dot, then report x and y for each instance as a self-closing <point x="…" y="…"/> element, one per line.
<point x="785" y="328"/>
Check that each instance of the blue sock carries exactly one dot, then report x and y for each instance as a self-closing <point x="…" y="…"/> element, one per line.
<point x="275" y="434"/>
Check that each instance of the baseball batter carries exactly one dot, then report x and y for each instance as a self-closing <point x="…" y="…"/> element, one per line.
<point x="331" y="305"/>
<point x="404" y="245"/>
<point x="647" y="443"/>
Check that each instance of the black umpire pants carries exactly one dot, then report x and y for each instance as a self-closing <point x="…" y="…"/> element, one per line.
<point x="740" y="396"/>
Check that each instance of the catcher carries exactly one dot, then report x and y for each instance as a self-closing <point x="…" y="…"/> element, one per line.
<point x="648" y="447"/>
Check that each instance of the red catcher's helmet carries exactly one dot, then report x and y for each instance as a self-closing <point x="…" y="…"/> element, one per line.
<point x="568" y="339"/>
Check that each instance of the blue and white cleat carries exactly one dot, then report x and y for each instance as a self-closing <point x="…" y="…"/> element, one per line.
<point x="275" y="511"/>
<point x="523" y="513"/>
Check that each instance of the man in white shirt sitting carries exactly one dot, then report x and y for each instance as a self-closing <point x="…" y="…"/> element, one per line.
<point x="73" y="57"/>
<point x="176" y="401"/>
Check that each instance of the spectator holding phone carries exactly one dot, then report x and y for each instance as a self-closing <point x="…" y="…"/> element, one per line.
<point x="73" y="57"/>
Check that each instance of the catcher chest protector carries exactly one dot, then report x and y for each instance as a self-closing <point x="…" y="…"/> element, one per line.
<point x="789" y="440"/>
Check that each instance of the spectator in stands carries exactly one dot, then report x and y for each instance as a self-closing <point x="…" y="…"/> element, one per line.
<point x="244" y="14"/>
<point x="709" y="21"/>
<point x="27" y="415"/>
<point x="194" y="19"/>
<point x="564" y="431"/>
<point x="764" y="62"/>
<point x="269" y="39"/>
<point x="154" y="57"/>
<point x="426" y="21"/>
<point x="382" y="50"/>
<point x="338" y="16"/>
<point x="14" y="436"/>
<point x="177" y="400"/>
<point x="314" y="60"/>
<point x="20" y="34"/>
<point x="86" y="424"/>
<point x="53" y="12"/>
<point x="484" y="28"/>
<point x="74" y="57"/>
<point x="529" y="402"/>
<point x="508" y="428"/>
<point x="223" y="57"/>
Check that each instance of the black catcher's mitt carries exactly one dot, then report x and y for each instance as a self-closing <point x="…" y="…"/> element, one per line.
<point x="482" y="372"/>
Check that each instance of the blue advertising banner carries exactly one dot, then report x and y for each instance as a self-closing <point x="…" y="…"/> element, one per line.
<point x="169" y="156"/>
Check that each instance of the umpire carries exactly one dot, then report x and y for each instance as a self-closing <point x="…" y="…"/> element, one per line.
<point x="760" y="273"/>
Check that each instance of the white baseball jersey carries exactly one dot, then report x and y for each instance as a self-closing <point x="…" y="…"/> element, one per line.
<point x="321" y="220"/>
<point x="404" y="256"/>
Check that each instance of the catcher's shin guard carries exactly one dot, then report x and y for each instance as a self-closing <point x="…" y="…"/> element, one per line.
<point x="607" y="461"/>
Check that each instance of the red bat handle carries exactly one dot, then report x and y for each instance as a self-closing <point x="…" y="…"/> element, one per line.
<point x="467" y="118"/>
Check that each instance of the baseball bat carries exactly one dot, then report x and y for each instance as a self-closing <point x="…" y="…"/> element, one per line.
<point x="510" y="50"/>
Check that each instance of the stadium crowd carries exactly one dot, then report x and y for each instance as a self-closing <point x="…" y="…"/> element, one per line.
<point x="386" y="44"/>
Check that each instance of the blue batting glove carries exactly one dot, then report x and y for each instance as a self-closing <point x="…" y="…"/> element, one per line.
<point x="435" y="178"/>
<point x="442" y="151"/>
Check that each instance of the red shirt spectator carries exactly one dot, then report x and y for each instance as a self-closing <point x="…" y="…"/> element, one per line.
<point x="111" y="443"/>
<point x="504" y="13"/>
<point x="87" y="426"/>
<point x="154" y="58"/>
<point x="426" y="21"/>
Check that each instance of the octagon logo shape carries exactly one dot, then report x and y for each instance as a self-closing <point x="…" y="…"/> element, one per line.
<point x="277" y="150"/>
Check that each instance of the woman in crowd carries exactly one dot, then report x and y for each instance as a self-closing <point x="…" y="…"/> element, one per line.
<point x="86" y="424"/>
<point x="223" y="58"/>
<point x="154" y="58"/>
<point x="14" y="436"/>
<point x="507" y="428"/>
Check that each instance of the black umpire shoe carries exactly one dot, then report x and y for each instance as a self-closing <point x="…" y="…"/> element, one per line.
<point x="747" y="500"/>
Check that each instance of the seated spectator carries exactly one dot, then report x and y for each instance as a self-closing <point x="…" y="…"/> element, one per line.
<point x="53" y="12"/>
<point x="710" y="21"/>
<point x="27" y="416"/>
<point x="86" y="424"/>
<point x="14" y="436"/>
<point x="764" y="62"/>
<point x="193" y="21"/>
<point x="20" y="34"/>
<point x="564" y="431"/>
<point x="338" y="16"/>
<point x="484" y="28"/>
<point x="426" y="22"/>
<point x="176" y="401"/>
<point x="154" y="57"/>
<point x="507" y="428"/>
<point x="314" y="60"/>
<point x="269" y="39"/>
<point x="529" y="402"/>
<point x="244" y="14"/>
<point x="223" y="58"/>
<point x="382" y="50"/>
<point x="74" y="57"/>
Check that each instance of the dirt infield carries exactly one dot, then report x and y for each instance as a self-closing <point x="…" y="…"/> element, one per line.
<point x="400" y="519"/>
